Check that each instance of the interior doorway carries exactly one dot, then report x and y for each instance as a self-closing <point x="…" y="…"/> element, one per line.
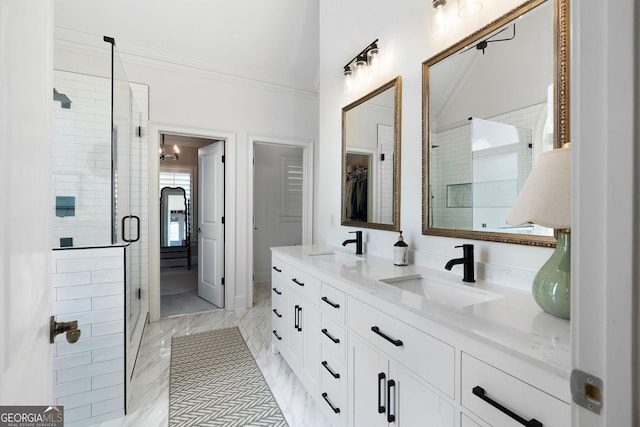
<point x="281" y="186"/>
<point x="277" y="203"/>
<point x="185" y="279"/>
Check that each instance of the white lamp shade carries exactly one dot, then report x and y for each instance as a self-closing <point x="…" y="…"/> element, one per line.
<point x="545" y="198"/>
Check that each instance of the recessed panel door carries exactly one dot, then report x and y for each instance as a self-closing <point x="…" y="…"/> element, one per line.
<point x="211" y="223"/>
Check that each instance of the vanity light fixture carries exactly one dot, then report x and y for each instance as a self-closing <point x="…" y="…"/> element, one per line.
<point x="545" y="199"/>
<point x="468" y="7"/>
<point x="438" y="19"/>
<point x="364" y="63"/>
<point x="163" y="155"/>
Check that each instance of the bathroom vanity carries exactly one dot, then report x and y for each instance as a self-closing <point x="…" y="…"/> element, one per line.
<point x="377" y="344"/>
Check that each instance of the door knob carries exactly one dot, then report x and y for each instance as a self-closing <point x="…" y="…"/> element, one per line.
<point x="71" y="328"/>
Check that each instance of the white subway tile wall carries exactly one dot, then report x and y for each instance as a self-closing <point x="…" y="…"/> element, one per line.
<point x="451" y="149"/>
<point x="89" y="376"/>
<point x="82" y="158"/>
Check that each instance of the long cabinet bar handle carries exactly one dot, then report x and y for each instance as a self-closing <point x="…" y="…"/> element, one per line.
<point x="391" y="396"/>
<point x="331" y="303"/>
<point x="276" y="334"/>
<point x="277" y="269"/>
<point x="376" y="329"/>
<point x="479" y="392"/>
<point x="381" y="407"/>
<point x="333" y="408"/>
<point x="297" y="282"/>
<point x="296" y="318"/>
<point x="300" y="319"/>
<point x="331" y="337"/>
<point x="276" y="313"/>
<point x="331" y="371"/>
<point x="277" y="291"/>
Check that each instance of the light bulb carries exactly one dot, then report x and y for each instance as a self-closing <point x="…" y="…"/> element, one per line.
<point x="373" y="58"/>
<point x="360" y="66"/>
<point x="175" y="149"/>
<point x="438" y="20"/>
<point x="348" y="80"/>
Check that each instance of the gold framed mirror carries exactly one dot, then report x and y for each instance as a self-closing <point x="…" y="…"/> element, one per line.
<point x="491" y="104"/>
<point x="371" y="159"/>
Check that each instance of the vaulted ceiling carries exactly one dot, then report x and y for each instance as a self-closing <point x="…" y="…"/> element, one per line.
<point x="274" y="41"/>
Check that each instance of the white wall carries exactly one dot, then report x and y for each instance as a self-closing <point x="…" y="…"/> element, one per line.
<point x="201" y="100"/>
<point x="25" y="221"/>
<point x="347" y="27"/>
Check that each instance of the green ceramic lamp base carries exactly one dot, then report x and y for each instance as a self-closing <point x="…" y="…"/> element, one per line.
<point x="552" y="284"/>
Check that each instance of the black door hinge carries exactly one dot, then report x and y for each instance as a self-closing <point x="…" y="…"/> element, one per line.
<point x="222" y="159"/>
<point x="139" y="293"/>
<point x="139" y="132"/>
<point x="382" y="157"/>
<point x="223" y="280"/>
<point x="223" y="220"/>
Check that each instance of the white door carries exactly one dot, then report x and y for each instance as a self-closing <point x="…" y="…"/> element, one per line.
<point x="211" y="223"/>
<point x="26" y="218"/>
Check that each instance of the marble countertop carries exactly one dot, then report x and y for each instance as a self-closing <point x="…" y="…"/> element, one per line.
<point x="512" y="321"/>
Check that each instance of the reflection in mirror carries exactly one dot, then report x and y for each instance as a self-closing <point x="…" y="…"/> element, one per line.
<point x="174" y="217"/>
<point x="492" y="104"/>
<point x="371" y="159"/>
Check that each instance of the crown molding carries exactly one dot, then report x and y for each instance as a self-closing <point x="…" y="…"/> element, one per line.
<point x="136" y="55"/>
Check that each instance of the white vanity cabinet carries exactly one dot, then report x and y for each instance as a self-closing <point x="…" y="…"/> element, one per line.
<point x="300" y="321"/>
<point x="333" y="338"/>
<point x="392" y="367"/>
<point x="385" y="393"/>
<point x="501" y="399"/>
<point x="372" y="357"/>
<point x="278" y="308"/>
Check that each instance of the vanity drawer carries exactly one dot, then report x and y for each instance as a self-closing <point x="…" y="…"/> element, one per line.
<point x="333" y="389"/>
<point x="278" y="328"/>
<point x="302" y="282"/>
<point x="483" y="386"/>
<point x="278" y="297"/>
<point x="333" y="337"/>
<point x="430" y="358"/>
<point x="278" y="275"/>
<point x="333" y="302"/>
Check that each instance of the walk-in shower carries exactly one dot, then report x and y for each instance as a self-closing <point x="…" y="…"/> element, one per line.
<point x="100" y="180"/>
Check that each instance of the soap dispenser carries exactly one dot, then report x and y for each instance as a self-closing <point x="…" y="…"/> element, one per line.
<point x="401" y="252"/>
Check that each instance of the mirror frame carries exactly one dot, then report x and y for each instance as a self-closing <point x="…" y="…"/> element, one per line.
<point x="396" y="83"/>
<point x="561" y="114"/>
<point x="169" y="190"/>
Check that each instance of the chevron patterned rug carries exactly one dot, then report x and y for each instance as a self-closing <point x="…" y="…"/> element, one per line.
<point x="214" y="381"/>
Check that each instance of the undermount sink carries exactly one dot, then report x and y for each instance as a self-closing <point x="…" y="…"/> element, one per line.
<point x="334" y="255"/>
<point x="440" y="291"/>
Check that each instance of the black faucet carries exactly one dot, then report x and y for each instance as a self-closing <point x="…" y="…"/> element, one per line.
<point x="467" y="260"/>
<point x="357" y="241"/>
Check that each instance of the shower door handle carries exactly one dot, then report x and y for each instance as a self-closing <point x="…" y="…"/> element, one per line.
<point x="124" y="221"/>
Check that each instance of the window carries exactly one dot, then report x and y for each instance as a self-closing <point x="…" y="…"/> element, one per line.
<point x="176" y="179"/>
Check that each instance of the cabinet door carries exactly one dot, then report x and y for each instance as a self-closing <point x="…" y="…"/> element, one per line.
<point x="303" y="340"/>
<point x="368" y="372"/>
<point x="414" y="404"/>
<point x="294" y="341"/>
<point x="310" y="325"/>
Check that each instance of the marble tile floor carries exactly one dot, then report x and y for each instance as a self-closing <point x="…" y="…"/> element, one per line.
<point x="179" y="292"/>
<point x="149" y="405"/>
<point x="184" y="303"/>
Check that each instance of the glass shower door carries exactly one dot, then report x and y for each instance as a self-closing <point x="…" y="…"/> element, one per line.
<point x="129" y="154"/>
